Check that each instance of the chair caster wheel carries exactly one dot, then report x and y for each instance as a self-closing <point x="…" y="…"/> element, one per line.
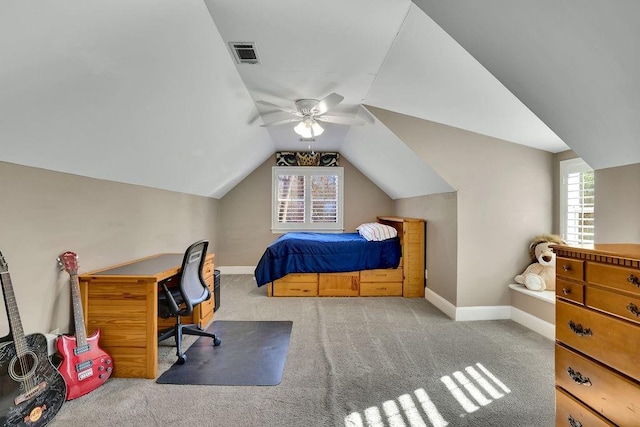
<point x="217" y="341"/>
<point x="181" y="359"/>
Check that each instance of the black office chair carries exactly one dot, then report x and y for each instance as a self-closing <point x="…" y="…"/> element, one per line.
<point x="180" y="300"/>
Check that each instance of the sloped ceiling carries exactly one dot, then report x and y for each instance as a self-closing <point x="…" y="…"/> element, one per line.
<point x="140" y="91"/>
<point x="574" y="63"/>
<point x="147" y="92"/>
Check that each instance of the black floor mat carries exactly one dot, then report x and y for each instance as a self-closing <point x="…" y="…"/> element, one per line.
<point x="251" y="353"/>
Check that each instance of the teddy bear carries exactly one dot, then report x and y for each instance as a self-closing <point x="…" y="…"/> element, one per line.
<point x="540" y="275"/>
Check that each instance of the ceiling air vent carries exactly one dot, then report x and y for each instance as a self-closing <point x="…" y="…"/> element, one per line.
<point x="245" y="52"/>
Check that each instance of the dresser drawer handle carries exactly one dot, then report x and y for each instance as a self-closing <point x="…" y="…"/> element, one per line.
<point x="634" y="280"/>
<point x="566" y="291"/>
<point x="579" y="330"/>
<point x="573" y="422"/>
<point x="578" y="378"/>
<point x="633" y="309"/>
<point x="566" y="267"/>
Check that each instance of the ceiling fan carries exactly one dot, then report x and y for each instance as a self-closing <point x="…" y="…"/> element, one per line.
<point x="309" y="112"/>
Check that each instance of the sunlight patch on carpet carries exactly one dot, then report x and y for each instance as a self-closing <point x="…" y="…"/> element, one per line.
<point x="468" y="388"/>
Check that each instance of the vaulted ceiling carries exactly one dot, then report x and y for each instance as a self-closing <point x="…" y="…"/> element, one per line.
<point x="148" y="92"/>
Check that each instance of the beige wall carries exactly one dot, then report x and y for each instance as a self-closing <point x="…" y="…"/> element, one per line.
<point x="245" y="212"/>
<point x="534" y="306"/>
<point x="504" y="198"/>
<point x="45" y="213"/>
<point x="440" y="212"/>
<point x="617" y="204"/>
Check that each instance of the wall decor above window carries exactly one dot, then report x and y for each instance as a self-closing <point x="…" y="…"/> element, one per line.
<point x="306" y="158"/>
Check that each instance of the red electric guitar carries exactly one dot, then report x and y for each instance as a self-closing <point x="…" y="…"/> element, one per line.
<point x="85" y="366"/>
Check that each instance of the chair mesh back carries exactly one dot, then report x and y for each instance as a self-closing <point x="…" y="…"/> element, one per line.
<point x="192" y="284"/>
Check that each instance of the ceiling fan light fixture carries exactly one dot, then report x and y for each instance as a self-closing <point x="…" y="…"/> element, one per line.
<point x="308" y="128"/>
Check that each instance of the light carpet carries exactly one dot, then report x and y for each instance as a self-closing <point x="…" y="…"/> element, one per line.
<point x="351" y="362"/>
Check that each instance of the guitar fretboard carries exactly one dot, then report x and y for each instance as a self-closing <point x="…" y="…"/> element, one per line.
<point x="13" y="315"/>
<point x="78" y="315"/>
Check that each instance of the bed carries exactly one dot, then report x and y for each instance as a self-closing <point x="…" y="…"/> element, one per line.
<point x="346" y="264"/>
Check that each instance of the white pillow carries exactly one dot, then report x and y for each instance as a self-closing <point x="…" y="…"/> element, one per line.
<point x="374" y="231"/>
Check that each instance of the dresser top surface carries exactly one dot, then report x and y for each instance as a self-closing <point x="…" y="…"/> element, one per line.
<point x="624" y="250"/>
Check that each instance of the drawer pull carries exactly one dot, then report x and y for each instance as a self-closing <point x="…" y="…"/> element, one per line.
<point x="578" y="378"/>
<point x="566" y="291"/>
<point x="579" y="330"/>
<point x="573" y="422"/>
<point x="566" y="267"/>
<point x="633" y="279"/>
<point x="633" y="309"/>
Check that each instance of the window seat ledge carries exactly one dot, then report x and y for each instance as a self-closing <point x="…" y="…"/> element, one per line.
<point x="547" y="296"/>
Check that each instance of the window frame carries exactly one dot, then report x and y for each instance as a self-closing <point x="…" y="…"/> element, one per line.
<point x="571" y="166"/>
<point x="307" y="225"/>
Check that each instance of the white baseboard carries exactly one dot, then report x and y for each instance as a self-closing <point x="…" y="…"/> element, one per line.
<point x="495" y="312"/>
<point x="441" y="304"/>
<point x="236" y="269"/>
<point x="527" y="320"/>
<point x="464" y="314"/>
<point x="544" y="328"/>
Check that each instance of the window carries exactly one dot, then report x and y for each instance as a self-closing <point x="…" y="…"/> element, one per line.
<point x="576" y="202"/>
<point x="307" y="198"/>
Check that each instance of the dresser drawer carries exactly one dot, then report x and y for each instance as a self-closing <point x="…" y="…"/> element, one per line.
<point x="570" y="268"/>
<point x="626" y="279"/>
<point x="612" y="395"/>
<point x="618" y="304"/>
<point x="345" y="284"/>
<point x="572" y="413"/>
<point x="298" y="278"/>
<point x="291" y="289"/>
<point x="372" y="289"/>
<point x="611" y="341"/>
<point x="207" y="268"/>
<point x="209" y="282"/>
<point x="381" y="275"/>
<point x="570" y="290"/>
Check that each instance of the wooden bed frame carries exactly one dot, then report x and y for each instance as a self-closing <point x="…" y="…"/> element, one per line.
<point x="407" y="280"/>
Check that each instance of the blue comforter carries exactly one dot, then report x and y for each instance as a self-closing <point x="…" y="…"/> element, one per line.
<point x="306" y="252"/>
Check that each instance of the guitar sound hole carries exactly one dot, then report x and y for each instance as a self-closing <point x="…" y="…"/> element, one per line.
<point x="21" y="368"/>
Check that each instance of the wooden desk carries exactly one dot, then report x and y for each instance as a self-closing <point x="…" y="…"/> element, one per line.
<point x="122" y="301"/>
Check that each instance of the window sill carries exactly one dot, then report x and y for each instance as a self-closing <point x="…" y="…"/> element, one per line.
<point x="547" y="296"/>
<point x="310" y="230"/>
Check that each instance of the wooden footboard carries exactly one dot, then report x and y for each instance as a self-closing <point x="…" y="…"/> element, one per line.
<point x="407" y="280"/>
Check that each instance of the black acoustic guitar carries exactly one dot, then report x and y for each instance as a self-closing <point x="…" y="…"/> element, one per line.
<point x="32" y="391"/>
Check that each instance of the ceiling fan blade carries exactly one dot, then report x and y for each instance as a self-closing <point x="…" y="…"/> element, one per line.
<point x="328" y="102"/>
<point x="353" y="121"/>
<point x="288" y="110"/>
<point x="282" y="122"/>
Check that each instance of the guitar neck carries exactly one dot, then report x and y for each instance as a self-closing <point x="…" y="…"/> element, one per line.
<point x="13" y="315"/>
<point x="78" y="315"/>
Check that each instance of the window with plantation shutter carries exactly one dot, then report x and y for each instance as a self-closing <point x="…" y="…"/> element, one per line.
<point x="307" y="198"/>
<point x="577" y="202"/>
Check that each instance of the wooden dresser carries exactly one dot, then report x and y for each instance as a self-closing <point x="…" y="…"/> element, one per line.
<point x="597" y="352"/>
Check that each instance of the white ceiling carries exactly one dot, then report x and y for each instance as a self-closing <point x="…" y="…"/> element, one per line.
<point x="147" y="91"/>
